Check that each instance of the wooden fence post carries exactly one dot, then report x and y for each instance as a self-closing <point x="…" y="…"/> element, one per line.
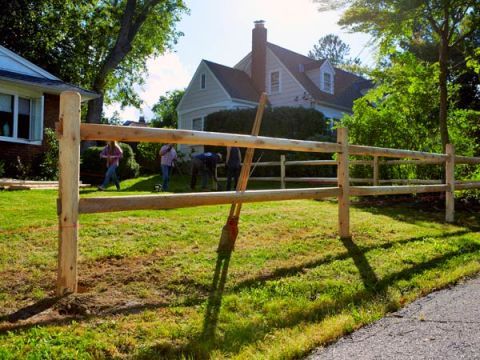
<point x="450" y="181"/>
<point x="69" y="164"/>
<point x="344" y="184"/>
<point x="282" y="171"/>
<point x="375" y="170"/>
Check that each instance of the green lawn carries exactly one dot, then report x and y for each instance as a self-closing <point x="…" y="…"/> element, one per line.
<point x="152" y="285"/>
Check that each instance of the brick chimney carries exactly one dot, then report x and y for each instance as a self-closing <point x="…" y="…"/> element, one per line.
<point x="259" y="54"/>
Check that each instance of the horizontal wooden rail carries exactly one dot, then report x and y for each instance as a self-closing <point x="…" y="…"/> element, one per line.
<point x="467" y="160"/>
<point x="410" y="181"/>
<point x="137" y="134"/>
<point x="396" y="153"/>
<point x="464" y="185"/>
<point x="395" y="190"/>
<point x="318" y="180"/>
<point x="326" y="162"/>
<point x="413" y="162"/>
<point x="190" y="137"/>
<point x="266" y="163"/>
<point x="174" y="201"/>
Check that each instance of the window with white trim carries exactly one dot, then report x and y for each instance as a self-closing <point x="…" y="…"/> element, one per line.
<point x="274" y="82"/>
<point x="203" y="81"/>
<point x="21" y="118"/>
<point x="197" y="124"/>
<point x="327" y="83"/>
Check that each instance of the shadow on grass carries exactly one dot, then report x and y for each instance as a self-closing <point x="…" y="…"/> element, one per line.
<point x="215" y="298"/>
<point x="202" y="344"/>
<point x="415" y="212"/>
<point x="32" y="310"/>
<point x="200" y="347"/>
<point x="367" y="274"/>
<point x="301" y="268"/>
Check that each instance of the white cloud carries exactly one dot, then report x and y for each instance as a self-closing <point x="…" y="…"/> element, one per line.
<point x="165" y="73"/>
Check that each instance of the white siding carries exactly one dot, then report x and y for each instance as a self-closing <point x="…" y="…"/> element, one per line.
<point x="245" y="65"/>
<point x="291" y="92"/>
<point x="195" y="97"/>
<point x="10" y="61"/>
<point x="316" y="75"/>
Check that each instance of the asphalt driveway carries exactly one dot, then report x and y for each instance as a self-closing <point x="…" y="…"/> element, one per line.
<point x="442" y="325"/>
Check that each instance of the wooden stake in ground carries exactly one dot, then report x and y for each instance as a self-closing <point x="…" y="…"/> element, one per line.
<point x="69" y="162"/>
<point x="343" y="179"/>
<point x="230" y="230"/>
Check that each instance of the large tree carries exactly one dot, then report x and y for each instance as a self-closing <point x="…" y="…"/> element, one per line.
<point x="446" y="23"/>
<point x="99" y="44"/>
<point x="398" y="113"/>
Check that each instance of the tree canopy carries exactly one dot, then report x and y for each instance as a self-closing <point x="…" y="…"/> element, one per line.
<point x="330" y="47"/>
<point x="443" y="25"/>
<point x="102" y="45"/>
<point x="166" y="109"/>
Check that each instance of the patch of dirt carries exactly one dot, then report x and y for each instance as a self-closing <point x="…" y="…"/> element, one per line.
<point x="103" y="290"/>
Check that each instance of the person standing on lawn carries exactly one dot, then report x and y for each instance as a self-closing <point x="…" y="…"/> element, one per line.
<point x="232" y="164"/>
<point x="113" y="153"/>
<point x="204" y="164"/>
<point x="168" y="156"/>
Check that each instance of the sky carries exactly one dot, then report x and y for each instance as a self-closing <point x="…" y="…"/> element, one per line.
<point x="220" y="31"/>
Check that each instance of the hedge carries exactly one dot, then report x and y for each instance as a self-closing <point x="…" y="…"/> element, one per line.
<point x="283" y="122"/>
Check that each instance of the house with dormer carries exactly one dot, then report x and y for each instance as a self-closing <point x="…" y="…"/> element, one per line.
<point x="289" y="79"/>
<point x="29" y="103"/>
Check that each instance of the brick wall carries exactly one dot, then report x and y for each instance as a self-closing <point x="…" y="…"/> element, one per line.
<point x="29" y="153"/>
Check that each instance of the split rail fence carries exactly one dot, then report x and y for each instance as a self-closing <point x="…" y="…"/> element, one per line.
<point x="71" y="131"/>
<point x="375" y="163"/>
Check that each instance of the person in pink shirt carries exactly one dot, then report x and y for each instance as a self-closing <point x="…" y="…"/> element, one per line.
<point x="168" y="156"/>
<point x="113" y="153"/>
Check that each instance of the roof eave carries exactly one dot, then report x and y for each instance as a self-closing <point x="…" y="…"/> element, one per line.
<point x="338" y="107"/>
<point x="250" y="102"/>
<point x="54" y="89"/>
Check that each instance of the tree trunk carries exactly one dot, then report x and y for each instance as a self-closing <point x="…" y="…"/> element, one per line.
<point x="130" y="24"/>
<point x="443" y="61"/>
<point x="443" y="96"/>
<point x="95" y="107"/>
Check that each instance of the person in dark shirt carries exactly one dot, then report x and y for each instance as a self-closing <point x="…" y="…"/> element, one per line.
<point x="232" y="163"/>
<point x="205" y="165"/>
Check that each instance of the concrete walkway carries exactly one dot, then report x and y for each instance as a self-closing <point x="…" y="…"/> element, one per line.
<point x="442" y="325"/>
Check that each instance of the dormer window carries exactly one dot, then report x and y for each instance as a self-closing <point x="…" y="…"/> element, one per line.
<point x="327" y="83"/>
<point x="202" y="82"/>
<point x="274" y="82"/>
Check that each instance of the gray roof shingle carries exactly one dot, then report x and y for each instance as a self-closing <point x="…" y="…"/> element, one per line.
<point x="348" y="86"/>
<point x="236" y="82"/>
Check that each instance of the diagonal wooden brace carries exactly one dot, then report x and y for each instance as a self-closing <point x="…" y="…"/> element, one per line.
<point x="230" y="230"/>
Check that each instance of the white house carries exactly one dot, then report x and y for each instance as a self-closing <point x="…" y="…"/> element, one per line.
<point x="289" y="78"/>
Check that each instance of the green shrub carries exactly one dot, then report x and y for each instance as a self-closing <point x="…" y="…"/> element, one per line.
<point x="92" y="167"/>
<point x="46" y="166"/>
<point x="2" y="168"/>
<point x="147" y="155"/>
<point x="282" y="122"/>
